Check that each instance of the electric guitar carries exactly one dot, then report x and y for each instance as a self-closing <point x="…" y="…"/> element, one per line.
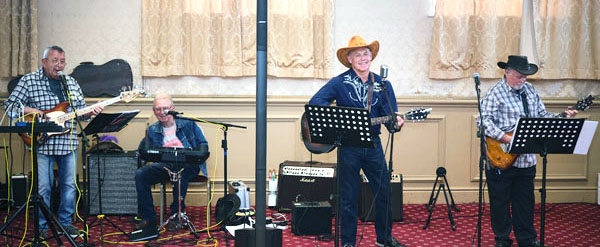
<point x="501" y="160"/>
<point x="418" y="114"/>
<point x="59" y="115"/>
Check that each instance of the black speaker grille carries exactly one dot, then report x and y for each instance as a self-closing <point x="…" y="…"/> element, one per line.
<point x="117" y="181"/>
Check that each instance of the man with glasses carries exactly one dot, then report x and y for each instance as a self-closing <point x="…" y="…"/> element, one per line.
<point x="41" y="91"/>
<point x="167" y="132"/>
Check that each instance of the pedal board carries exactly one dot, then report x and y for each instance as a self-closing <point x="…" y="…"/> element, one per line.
<point x="146" y="233"/>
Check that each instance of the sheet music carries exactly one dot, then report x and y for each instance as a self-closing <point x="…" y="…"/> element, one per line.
<point x="585" y="137"/>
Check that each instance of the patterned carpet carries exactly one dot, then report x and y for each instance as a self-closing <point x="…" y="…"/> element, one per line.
<point x="571" y="224"/>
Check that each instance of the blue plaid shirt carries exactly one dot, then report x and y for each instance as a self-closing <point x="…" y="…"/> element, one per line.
<point x="502" y="107"/>
<point x="33" y="90"/>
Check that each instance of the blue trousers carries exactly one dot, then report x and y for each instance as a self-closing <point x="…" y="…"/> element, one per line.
<point x="372" y="162"/>
<point x="512" y="189"/>
<point x="66" y="184"/>
<point x="155" y="173"/>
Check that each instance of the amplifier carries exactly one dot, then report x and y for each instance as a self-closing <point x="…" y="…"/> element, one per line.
<point x="20" y="189"/>
<point x="304" y="181"/>
<point x="365" y="199"/>
<point x="112" y="177"/>
<point x="311" y="218"/>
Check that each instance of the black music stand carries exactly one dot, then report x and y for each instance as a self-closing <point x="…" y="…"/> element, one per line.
<point x="35" y="199"/>
<point x="339" y="126"/>
<point x="545" y="136"/>
<point x="103" y="123"/>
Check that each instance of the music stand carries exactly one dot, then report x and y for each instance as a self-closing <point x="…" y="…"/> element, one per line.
<point x="544" y="136"/>
<point x="339" y="126"/>
<point x="103" y="123"/>
<point x="36" y="199"/>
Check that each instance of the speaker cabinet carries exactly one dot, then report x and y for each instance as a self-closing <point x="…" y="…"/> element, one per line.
<point x="365" y="200"/>
<point x="247" y="237"/>
<point x="304" y="182"/>
<point x="112" y="177"/>
<point x="311" y="218"/>
<point x="20" y="189"/>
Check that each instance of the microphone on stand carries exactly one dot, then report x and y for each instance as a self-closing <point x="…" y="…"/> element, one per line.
<point x="174" y="113"/>
<point x="63" y="82"/>
<point x="476" y="78"/>
<point x="383" y="72"/>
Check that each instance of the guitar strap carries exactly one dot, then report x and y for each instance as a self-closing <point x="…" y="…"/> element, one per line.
<point x="370" y="93"/>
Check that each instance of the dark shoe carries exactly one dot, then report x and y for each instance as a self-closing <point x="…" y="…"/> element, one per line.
<point x="144" y="223"/>
<point x="72" y="231"/>
<point x="45" y="234"/>
<point x="392" y="242"/>
<point x="533" y="243"/>
<point x="172" y="226"/>
<point x="503" y="244"/>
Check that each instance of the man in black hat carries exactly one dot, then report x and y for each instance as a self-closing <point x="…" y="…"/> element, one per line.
<point x="508" y="100"/>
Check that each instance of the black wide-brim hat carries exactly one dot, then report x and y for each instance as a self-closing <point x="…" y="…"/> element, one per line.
<point x="520" y="64"/>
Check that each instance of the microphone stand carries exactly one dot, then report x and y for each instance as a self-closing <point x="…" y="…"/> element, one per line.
<point x="84" y="144"/>
<point x="226" y="126"/>
<point x="483" y="159"/>
<point x="393" y="122"/>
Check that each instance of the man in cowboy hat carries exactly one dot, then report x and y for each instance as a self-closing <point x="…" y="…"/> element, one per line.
<point x="508" y="100"/>
<point x="358" y="87"/>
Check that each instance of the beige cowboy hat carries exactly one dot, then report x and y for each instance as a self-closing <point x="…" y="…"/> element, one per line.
<point x="356" y="42"/>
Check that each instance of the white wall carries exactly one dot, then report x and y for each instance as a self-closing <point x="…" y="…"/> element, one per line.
<point x="99" y="31"/>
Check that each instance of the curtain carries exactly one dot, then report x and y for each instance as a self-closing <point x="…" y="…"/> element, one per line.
<point x="218" y="38"/>
<point x="568" y="35"/>
<point x="18" y="37"/>
<point x="472" y="36"/>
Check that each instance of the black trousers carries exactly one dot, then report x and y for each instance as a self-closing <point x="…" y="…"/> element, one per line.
<point x="512" y="188"/>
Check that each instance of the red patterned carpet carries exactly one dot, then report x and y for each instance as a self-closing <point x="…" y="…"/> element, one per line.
<point x="571" y="224"/>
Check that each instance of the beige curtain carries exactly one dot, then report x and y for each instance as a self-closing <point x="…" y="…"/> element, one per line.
<point x="472" y="36"/>
<point x="18" y="37"/>
<point x="568" y="38"/>
<point x="218" y="38"/>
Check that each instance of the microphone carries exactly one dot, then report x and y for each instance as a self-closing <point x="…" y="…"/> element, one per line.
<point x="61" y="76"/>
<point x="383" y="72"/>
<point x="174" y="113"/>
<point x="476" y="77"/>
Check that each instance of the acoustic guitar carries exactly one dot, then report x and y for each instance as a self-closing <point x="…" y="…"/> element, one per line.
<point x="501" y="160"/>
<point x="59" y="115"/>
<point x="418" y="114"/>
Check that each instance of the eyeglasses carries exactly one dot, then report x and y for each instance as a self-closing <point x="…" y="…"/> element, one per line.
<point x="161" y="109"/>
<point x="56" y="61"/>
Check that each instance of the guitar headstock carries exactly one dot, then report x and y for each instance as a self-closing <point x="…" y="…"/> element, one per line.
<point x="418" y="114"/>
<point x="132" y="94"/>
<point x="584" y="103"/>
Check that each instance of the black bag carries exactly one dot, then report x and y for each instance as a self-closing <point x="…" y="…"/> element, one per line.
<point x="108" y="79"/>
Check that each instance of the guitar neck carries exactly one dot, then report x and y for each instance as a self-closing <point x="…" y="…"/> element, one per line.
<point x="381" y="120"/>
<point x="68" y="116"/>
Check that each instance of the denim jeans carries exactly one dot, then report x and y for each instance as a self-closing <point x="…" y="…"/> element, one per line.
<point x="155" y="173"/>
<point x="372" y="162"/>
<point x="66" y="184"/>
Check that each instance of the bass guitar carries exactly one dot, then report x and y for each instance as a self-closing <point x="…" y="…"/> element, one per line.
<point x="59" y="115"/>
<point x="418" y="114"/>
<point x="500" y="159"/>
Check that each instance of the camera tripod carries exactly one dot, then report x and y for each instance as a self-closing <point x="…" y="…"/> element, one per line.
<point x="441" y="172"/>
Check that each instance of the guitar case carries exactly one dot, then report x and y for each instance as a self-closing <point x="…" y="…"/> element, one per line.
<point x="106" y="80"/>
